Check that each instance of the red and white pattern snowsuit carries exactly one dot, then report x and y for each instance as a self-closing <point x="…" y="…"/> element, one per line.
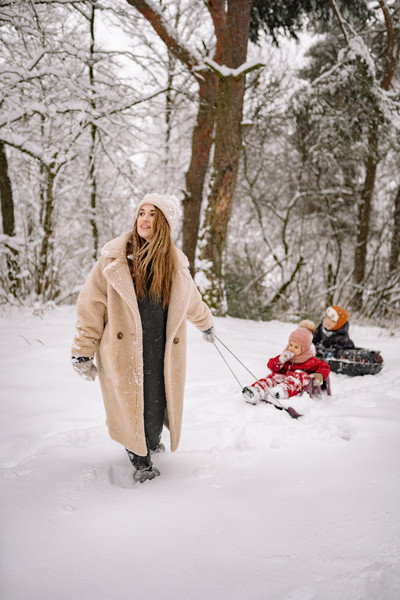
<point x="293" y="377"/>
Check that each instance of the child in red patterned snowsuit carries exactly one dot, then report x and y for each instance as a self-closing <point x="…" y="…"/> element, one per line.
<point x="291" y="370"/>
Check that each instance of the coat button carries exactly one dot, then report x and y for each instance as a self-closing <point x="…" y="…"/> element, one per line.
<point x="176" y="340"/>
<point x="120" y="335"/>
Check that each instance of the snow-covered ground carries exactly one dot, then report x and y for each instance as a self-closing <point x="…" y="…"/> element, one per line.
<point x="253" y="506"/>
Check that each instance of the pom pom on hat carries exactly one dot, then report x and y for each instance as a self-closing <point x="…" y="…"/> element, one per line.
<point x="169" y="206"/>
<point x="303" y="335"/>
<point x="338" y="314"/>
<point x="308" y="325"/>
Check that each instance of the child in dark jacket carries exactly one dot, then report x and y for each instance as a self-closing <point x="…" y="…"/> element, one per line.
<point x="291" y="370"/>
<point x="333" y="332"/>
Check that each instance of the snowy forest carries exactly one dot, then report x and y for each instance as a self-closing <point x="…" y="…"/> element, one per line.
<point x="275" y="122"/>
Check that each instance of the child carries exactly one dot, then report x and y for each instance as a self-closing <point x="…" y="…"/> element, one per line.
<point x="291" y="369"/>
<point x="334" y="331"/>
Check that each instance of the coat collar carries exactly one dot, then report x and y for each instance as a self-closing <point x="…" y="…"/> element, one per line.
<point x="117" y="273"/>
<point x="116" y="248"/>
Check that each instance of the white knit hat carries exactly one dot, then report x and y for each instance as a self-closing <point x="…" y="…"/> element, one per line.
<point x="169" y="206"/>
<point x="332" y="314"/>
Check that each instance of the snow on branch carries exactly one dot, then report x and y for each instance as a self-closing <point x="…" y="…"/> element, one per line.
<point x="357" y="48"/>
<point x="20" y="142"/>
<point x="224" y="72"/>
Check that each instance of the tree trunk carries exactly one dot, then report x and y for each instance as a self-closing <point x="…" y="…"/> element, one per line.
<point x="395" y="243"/>
<point x="391" y="58"/>
<point x="201" y="146"/>
<point x="93" y="137"/>
<point x="8" y="220"/>
<point x="228" y="143"/>
<point x="43" y="281"/>
<point x="93" y="191"/>
<point x="363" y="226"/>
<point x="6" y="196"/>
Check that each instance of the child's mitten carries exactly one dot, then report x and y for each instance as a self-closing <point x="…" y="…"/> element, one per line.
<point x="318" y="378"/>
<point x="285" y="356"/>
<point x="84" y="366"/>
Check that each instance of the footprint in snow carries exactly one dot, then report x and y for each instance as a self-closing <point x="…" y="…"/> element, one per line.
<point x="202" y="472"/>
<point x="121" y="476"/>
<point x="71" y="495"/>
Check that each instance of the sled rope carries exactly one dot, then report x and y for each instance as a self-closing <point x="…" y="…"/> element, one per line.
<point x="292" y="412"/>
<point x="234" y="356"/>
<point x="226" y="362"/>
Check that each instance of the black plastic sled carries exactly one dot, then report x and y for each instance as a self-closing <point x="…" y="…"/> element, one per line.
<point x="351" y="361"/>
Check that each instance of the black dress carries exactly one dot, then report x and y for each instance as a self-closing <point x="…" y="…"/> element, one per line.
<point x="154" y="320"/>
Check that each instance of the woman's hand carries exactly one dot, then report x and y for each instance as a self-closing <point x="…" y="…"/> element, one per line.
<point x="209" y="335"/>
<point x="84" y="366"/>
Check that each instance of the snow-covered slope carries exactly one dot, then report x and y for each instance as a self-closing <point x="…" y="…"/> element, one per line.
<point x="253" y="506"/>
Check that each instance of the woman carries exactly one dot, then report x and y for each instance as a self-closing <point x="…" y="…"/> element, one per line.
<point x="131" y="314"/>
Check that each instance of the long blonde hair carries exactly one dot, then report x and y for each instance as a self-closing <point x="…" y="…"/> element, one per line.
<point x="152" y="260"/>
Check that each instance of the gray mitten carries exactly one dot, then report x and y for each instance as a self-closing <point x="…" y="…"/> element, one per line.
<point x="85" y="367"/>
<point x="209" y="335"/>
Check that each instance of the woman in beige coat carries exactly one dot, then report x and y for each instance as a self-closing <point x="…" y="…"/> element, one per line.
<point x="131" y="316"/>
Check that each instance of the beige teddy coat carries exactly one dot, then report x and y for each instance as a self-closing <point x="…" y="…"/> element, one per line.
<point x="109" y="327"/>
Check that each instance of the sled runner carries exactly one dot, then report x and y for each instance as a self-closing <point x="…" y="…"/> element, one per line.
<point x="290" y="410"/>
<point x="351" y="361"/>
<point x="314" y="390"/>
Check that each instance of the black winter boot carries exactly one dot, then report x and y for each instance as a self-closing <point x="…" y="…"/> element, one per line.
<point x="160" y="448"/>
<point x="142" y="475"/>
<point x="144" y="469"/>
<point x="139" y="462"/>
